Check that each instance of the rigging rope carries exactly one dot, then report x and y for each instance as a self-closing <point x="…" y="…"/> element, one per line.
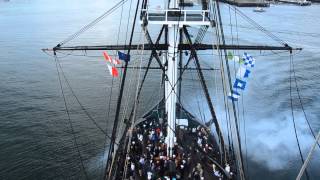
<point x="304" y="166"/>
<point x="242" y="99"/>
<point x="202" y="118"/>
<point x="297" y="33"/>
<point x="217" y="34"/>
<point x="234" y="52"/>
<point x="69" y="120"/>
<point x="128" y="20"/>
<point x="127" y="96"/>
<point x="91" y="24"/>
<point x="120" y="24"/>
<point x="219" y="29"/>
<point x="293" y="118"/>
<point x="80" y="104"/>
<point x="107" y="126"/>
<point x="128" y="92"/>
<point x="111" y="153"/>
<point x="300" y="100"/>
<point x="259" y="27"/>
<point x="148" y="67"/>
<point x="109" y="104"/>
<point x="136" y="102"/>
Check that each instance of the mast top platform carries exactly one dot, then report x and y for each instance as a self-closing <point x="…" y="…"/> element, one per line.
<point x="177" y="16"/>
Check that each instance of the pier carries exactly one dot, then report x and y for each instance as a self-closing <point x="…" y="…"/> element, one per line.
<point x="297" y="2"/>
<point x="247" y="3"/>
<point x="259" y="3"/>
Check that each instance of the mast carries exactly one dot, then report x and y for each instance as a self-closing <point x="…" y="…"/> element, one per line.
<point x="170" y="88"/>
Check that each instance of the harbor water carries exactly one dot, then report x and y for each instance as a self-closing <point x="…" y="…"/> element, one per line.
<point x="36" y="141"/>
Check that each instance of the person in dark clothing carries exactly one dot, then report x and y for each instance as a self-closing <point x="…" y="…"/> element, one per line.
<point x="172" y="169"/>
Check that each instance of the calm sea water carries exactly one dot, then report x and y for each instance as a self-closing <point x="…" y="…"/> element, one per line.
<point x="35" y="138"/>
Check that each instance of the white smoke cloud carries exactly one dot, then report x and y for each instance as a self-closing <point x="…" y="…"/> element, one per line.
<point x="271" y="141"/>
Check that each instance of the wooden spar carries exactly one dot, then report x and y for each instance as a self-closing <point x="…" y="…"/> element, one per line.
<point x="165" y="47"/>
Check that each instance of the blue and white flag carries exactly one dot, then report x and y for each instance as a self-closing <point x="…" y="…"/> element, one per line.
<point x="249" y="61"/>
<point x="239" y="84"/>
<point x="242" y="75"/>
<point x="243" y="72"/>
<point x="234" y="95"/>
<point x="123" y="56"/>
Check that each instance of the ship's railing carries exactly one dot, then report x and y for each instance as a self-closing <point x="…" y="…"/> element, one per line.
<point x="175" y="16"/>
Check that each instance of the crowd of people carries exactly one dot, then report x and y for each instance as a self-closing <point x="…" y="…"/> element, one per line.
<point x="148" y="158"/>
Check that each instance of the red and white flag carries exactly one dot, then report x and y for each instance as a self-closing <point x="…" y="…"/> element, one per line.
<point x="116" y="61"/>
<point x="113" y="71"/>
<point x="107" y="57"/>
<point x="110" y="63"/>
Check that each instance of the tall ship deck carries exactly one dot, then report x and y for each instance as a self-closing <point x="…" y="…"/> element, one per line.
<point x="169" y="142"/>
